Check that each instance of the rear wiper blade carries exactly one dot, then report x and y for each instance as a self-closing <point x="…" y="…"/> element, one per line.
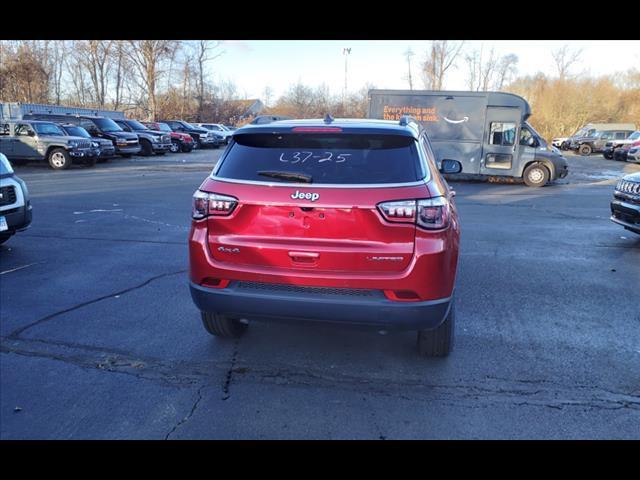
<point x="299" y="177"/>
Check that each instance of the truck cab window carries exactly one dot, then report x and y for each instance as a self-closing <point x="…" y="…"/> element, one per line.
<point x="4" y="129"/>
<point x="23" y="130"/>
<point x="525" y="136"/>
<point x="502" y="133"/>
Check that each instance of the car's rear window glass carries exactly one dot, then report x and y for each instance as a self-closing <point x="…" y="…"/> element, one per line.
<point x="335" y="158"/>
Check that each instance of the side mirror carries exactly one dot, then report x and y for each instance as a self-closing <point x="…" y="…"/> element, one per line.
<point x="31" y="133"/>
<point x="450" y="166"/>
<point x="532" y="142"/>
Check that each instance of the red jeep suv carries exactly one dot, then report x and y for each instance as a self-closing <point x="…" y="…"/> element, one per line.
<point x="340" y="221"/>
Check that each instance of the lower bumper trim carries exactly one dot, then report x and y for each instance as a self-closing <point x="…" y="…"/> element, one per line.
<point x="368" y="311"/>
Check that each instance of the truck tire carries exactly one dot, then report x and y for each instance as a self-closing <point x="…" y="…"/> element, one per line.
<point x="146" y="150"/>
<point x="186" y="148"/>
<point x="59" y="159"/>
<point x="585" y="150"/>
<point x="175" y="147"/>
<point x="608" y="156"/>
<point x="536" y="175"/>
<point x="4" y="237"/>
<point x="438" y="342"/>
<point x="222" y="326"/>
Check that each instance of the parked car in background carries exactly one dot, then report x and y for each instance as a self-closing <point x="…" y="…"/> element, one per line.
<point x="594" y="136"/>
<point x="633" y="155"/>
<point x="15" y="206"/>
<point x="621" y="154"/>
<point x="24" y="140"/>
<point x="260" y="119"/>
<point x="201" y="137"/>
<point x="339" y="221"/>
<point x="151" y="141"/>
<point x="180" y="142"/>
<point x="104" y="147"/>
<point x="217" y="129"/>
<point x="558" y="142"/>
<point x="229" y="127"/>
<point x="625" y="206"/>
<point x="613" y="145"/>
<point x="125" y="143"/>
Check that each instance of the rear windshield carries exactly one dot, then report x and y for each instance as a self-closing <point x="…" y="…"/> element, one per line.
<point x="336" y="158"/>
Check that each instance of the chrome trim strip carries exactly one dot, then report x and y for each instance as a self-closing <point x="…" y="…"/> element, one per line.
<point x="417" y="183"/>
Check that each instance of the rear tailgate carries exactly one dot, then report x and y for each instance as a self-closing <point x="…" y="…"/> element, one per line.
<point x="340" y="231"/>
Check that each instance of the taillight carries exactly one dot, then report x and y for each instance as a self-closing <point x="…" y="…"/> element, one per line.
<point x="205" y="204"/>
<point x="430" y="213"/>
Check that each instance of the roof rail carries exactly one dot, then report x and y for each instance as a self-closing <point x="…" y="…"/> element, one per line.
<point x="406" y="120"/>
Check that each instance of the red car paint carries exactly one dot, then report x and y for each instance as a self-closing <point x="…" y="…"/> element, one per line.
<point x="267" y="225"/>
<point x="183" y="137"/>
<point x="325" y="238"/>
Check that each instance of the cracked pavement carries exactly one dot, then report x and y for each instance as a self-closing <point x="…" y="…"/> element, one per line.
<point x="99" y="338"/>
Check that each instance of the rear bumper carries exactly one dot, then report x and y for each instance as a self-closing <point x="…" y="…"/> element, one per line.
<point x="372" y="310"/>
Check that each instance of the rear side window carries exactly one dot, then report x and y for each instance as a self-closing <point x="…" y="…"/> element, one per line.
<point x="327" y="158"/>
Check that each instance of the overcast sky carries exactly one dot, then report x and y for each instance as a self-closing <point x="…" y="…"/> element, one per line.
<point x="254" y="64"/>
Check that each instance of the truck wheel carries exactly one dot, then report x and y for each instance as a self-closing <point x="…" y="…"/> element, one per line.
<point x="536" y="175"/>
<point x="585" y="150"/>
<point x="438" y="342"/>
<point x="186" y="148"/>
<point x="608" y="156"/>
<point x="222" y="326"/>
<point x="91" y="162"/>
<point x="59" y="159"/>
<point x="175" y="147"/>
<point x="4" y="237"/>
<point x="146" y="149"/>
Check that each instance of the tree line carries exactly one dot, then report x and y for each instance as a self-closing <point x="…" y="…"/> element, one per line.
<point x="151" y="79"/>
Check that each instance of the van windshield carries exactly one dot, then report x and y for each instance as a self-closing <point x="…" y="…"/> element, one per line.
<point x="634" y="136"/>
<point x="323" y="158"/>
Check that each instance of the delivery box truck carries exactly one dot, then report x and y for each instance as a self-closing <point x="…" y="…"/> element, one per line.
<point x="487" y="132"/>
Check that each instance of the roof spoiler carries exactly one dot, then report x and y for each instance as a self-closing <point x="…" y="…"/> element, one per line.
<point x="406" y="120"/>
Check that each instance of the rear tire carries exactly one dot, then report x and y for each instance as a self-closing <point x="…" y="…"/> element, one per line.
<point x="438" y="342"/>
<point x="222" y="326"/>
<point x="536" y="175"/>
<point x="59" y="159"/>
<point x="585" y="150"/>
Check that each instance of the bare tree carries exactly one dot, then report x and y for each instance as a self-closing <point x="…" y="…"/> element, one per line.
<point x="96" y="56"/>
<point x="147" y="57"/>
<point x="489" y="72"/>
<point x="506" y="69"/>
<point x="204" y="49"/>
<point x="564" y="58"/>
<point x="408" y="54"/>
<point x="439" y="58"/>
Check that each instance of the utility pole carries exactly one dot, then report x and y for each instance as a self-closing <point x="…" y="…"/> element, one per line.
<point x="345" y="52"/>
<point x="409" y="53"/>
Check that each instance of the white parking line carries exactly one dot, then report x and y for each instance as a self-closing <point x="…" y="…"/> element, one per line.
<point x="19" y="268"/>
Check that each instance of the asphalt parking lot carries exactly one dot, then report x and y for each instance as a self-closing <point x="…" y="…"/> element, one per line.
<point x="100" y="339"/>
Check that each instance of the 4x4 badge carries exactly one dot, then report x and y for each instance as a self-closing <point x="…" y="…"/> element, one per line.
<point x="305" y="196"/>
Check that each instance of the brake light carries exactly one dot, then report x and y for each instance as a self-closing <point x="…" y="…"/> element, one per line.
<point x="205" y="204"/>
<point x="430" y="213"/>
<point x="316" y="129"/>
